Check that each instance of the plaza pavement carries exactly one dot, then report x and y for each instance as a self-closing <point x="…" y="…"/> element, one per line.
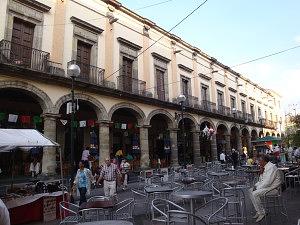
<point x="292" y="203"/>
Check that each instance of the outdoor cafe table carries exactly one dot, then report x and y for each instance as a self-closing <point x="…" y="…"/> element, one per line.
<point x="107" y="205"/>
<point x="108" y="222"/>
<point x="192" y="195"/>
<point x="284" y="168"/>
<point x="218" y="174"/>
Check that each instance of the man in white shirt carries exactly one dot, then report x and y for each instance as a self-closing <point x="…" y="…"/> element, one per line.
<point x="4" y="214"/>
<point x="85" y="157"/>
<point x="269" y="179"/>
<point x="222" y="157"/>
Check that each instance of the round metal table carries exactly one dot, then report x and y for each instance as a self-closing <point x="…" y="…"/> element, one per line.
<point x="192" y="195"/>
<point x="108" y="222"/>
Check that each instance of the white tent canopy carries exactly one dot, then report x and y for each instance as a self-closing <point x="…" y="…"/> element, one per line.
<point x="12" y="138"/>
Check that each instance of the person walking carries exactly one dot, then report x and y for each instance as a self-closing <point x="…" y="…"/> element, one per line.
<point x="109" y="173"/>
<point x="222" y="157"/>
<point x="235" y="158"/>
<point x="83" y="181"/>
<point x="125" y="167"/>
<point x="4" y="214"/>
<point x="85" y="157"/>
<point x="270" y="178"/>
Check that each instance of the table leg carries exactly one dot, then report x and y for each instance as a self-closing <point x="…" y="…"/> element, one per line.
<point x="192" y="211"/>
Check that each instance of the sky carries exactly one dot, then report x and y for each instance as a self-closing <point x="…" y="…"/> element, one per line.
<point x="236" y="31"/>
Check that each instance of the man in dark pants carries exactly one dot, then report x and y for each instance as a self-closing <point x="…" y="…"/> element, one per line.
<point x="235" y="158"/>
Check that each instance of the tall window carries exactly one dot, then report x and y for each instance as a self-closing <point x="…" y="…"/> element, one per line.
<point x="252" y="109"/>
<point x="243" y="104"/>
<point x="160" y="84"/>
<point x="259" y="112"/>
<point x="271" y="116"/>
<point x="22" y="39"/>
<point x="204" y="93"/>
<point x="126" y="79"/>
<point x="185" y="86"/>
<point x="84" y="58"/>
<point x="232" y="102"/>
<point x="220" y="98"/>
<point x="266" y="115"/>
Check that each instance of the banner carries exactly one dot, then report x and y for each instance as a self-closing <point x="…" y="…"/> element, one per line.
<point x="82" y="123"/>
<point x="12" y="118"/>
<point x="64" y="122"/>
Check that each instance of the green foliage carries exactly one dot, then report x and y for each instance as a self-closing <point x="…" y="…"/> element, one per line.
<point x="292" y="137"/>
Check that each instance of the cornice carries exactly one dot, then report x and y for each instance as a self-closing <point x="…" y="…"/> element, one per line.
<point x="114" y="3"/>
<point x="86" y="25"/>
<point x="232" y="89"/>
<point x="37" y="5"/>
<point x="220" y="84"/>
<point x="129" y="43"/>
<point x="183" y="67"/>
<point x="158" y="56"/>
<point x="251" y="98"/>
<point x="204" y="76"/>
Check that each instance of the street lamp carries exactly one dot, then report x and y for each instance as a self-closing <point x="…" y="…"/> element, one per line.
<point x="181" y="99"/>
<point x="73" y="72"/>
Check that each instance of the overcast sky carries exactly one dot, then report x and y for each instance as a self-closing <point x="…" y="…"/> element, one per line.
<point x="236" y="31"/>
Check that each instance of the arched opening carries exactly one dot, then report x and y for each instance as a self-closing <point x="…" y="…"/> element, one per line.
<point x="205" y="142"/>
<point x="254" y="135"/>
<point x="159" y="141"/>
<point x="278" y="135"/>
<point x="20" y="109"/>
<point x="85" y="127"/>
<point x="261" y="134"/>
<point x="125" y="135"/>
<point x="185" y="155"/>
<point x="273" y="135"/>
<point x="234" y="138"/>
<point x="245" y="140"/>
<point x="267" y="134"/>
<point x="222" y="145"/>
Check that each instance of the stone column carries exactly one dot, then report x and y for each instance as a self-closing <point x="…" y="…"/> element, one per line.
<point x="214" y="150"/>
<point x="239" y="143"/>
<point x="227" y="145"/>
<point x="104" y="151"/>
<point x="196" y="147"/>
<point x="49" y="153"/>
<point x="144" y="145"/>
<point x="174" y="147"/>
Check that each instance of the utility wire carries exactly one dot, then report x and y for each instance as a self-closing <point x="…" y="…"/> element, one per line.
<point x="155" y="4"/>
<point x="199" y="6"/>
<point x="266" y="56"/>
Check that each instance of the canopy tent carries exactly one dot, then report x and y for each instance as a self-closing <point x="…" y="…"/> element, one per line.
<point x="11" y="139"/>
<point x="267" y="139"/>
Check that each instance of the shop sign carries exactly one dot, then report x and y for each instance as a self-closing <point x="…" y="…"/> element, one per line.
<point x="49" y="208"/>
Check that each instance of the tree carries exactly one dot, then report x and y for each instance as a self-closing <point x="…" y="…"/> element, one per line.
<point x="292" y="137"/>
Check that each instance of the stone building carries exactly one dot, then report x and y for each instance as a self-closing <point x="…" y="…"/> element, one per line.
<point x="128" y="87"/>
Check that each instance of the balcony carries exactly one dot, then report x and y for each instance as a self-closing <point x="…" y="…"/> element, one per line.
<point x="250" y="118"/>
<point x="88" y="73"/>
<point x="208" y="106"/>
<point x="131" y="85"/>
<point x="191" y="101"/>
<point x="223" y="110"/>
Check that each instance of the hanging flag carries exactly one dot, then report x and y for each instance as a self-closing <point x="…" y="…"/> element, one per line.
<point x="130" y="125"/>
<point x="69" y="107"/>
<point x="2" y="116"/>
<point x="64" y="122"/>
<point x="82" y="123"/>
<point x="25" y="119"/>
<point x="123" y="126"/>
<point x="37" y="119"/>
<point x="75" y="124"/>
<point x="12" y="118"/>
<point x="91" y="123"/>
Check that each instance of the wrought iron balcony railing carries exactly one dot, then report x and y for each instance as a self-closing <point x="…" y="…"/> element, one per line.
<point x="192" y="101"/>
<point x="89" y="73"/>
<point x="250" y="118"/>
<point x="131" y="85"/>
<point x="23" y="56"/>
<point x="208" y="106"/>
<point x="223" y="110"/>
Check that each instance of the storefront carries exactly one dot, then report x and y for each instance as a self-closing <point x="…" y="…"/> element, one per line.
<point x="205" y="141"/>
<point x="185" y="155"/>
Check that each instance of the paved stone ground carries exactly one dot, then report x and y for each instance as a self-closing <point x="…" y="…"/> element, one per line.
<point x="292" y="203"/>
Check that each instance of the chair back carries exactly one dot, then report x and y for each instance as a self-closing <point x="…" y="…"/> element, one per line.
<point x="98" y="198"/>
<point x="67" y="209"/>
<point x="124" y="209"/>
<point x="93" y="214"/>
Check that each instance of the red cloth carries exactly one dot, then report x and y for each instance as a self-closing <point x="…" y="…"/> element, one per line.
<point x="91" y="123"/>
<point x="25" y="119"/>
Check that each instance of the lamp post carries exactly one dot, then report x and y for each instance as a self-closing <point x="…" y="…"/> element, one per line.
<point x="73" y="72"/>
<point x="181" y="99"/>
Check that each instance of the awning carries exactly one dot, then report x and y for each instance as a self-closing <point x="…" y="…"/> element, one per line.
<point x="13" y="138"/>
<point x="267" y="139"/>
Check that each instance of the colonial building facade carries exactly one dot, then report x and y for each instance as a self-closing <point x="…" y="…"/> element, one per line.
<point x="126" y="94"/>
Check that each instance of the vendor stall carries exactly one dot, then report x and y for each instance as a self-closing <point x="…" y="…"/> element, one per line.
<point x="264" y="143"/>
<point x="43" y="206"/>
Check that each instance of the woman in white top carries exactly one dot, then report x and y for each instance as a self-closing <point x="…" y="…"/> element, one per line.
<point x="125" y="167"/>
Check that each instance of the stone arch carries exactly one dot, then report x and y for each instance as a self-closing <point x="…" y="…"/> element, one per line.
<point x="96" y="105"/>
<point x="164" y="112"/>
<point x="220" y="123"/>
<point x="267" y="134"/>
<point x="42" y="98"/>
<point x="278" y="135"/>
<point x="135" y="109"/>
<point x="192" y="118"/>
<point x="205" y="119"/>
